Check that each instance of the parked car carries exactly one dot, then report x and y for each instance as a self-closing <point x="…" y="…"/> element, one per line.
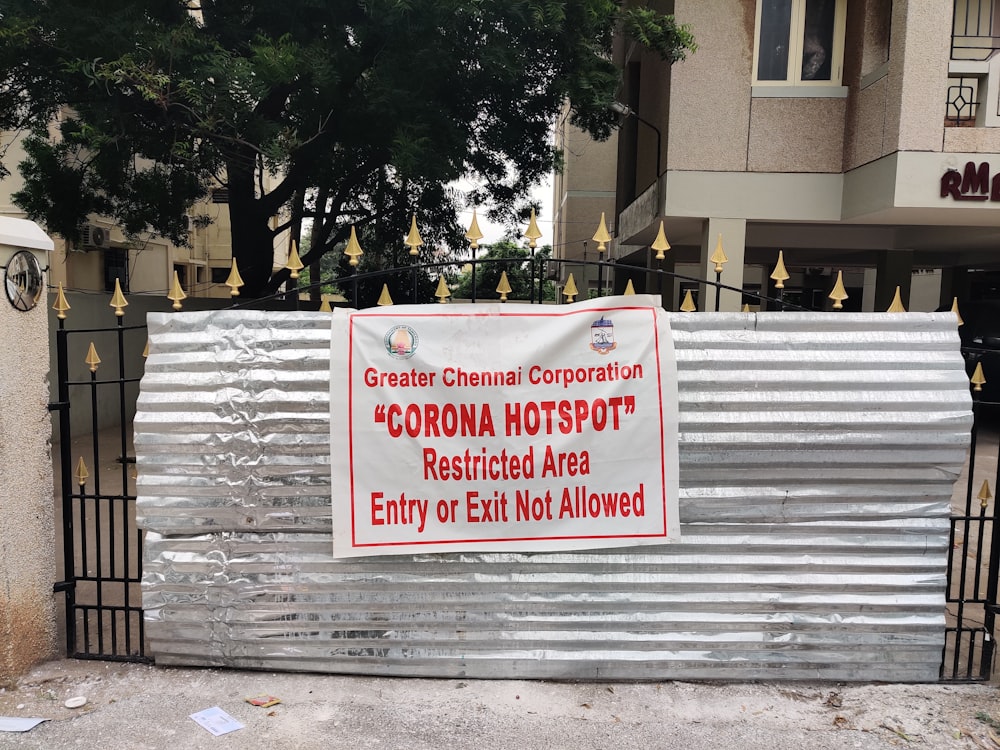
<point x="980" y="334"/>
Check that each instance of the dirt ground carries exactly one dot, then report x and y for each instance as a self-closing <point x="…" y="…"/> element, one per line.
<point x="135" y="706"/>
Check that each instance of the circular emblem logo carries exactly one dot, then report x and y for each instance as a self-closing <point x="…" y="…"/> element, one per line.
<point x="401" y="342"/>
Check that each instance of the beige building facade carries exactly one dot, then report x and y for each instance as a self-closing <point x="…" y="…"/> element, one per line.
<point x="860" y="136"/>
<point x="583" y="191"/>
<point x="143" y="265"/>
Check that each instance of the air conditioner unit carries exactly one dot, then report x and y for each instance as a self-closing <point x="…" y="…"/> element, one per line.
<point x="93" y="237"/>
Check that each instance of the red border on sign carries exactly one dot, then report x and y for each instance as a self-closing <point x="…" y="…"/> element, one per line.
<point x="503" y="540"/>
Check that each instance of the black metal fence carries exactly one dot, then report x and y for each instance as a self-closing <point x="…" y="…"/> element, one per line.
<point x="973" y="559"/>
<point x="611" y="277"/>
<point x="102" y="547"/>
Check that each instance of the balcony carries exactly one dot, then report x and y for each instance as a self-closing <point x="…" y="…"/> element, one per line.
<point x="974" y="30"/>
<point x="974" y="68"/>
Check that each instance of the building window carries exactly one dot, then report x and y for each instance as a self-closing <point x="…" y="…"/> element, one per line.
<point x="115" y="267"/>
<point x="799" y="42"/>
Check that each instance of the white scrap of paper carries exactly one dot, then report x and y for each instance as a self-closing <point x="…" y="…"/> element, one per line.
<point x="17" y="724"/>
<point x="216" y="721"/>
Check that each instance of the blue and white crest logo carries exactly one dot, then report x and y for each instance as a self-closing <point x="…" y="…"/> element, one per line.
<point x="401" y="342"/>
<point x="602" y="336"/>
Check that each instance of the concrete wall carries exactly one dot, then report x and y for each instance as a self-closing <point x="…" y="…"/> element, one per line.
<point x="27" y="546"/>
<point x="796" y="135"/>
<point x="710" y="90"/>
<point x="866" y="71"/>
<point x="918" y="74"/>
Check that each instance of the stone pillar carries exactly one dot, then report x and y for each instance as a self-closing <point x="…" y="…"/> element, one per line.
<point x="733" y="232"/>
<point x="894" y="268"/>
<point x="27" y="509"/>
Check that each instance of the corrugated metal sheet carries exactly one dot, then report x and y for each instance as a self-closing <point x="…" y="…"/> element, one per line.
<point x="817" y="457"/>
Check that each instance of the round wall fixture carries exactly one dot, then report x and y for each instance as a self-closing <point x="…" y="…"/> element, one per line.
<point x="23" y="280"/>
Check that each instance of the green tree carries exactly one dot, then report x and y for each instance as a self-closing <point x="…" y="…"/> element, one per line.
<point x="512" y="259"/>
<point x="356" y="112"/>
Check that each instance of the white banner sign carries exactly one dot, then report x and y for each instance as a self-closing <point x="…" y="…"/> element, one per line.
<point x="503" y="427"/>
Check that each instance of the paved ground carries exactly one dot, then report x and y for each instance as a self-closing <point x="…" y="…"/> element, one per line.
<point x="139" y="707"/>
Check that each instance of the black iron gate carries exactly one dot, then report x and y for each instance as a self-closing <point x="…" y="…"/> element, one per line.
<point x="98" y="371"/>
<point x="973" y="560"/>
<point x="102" y="546"/>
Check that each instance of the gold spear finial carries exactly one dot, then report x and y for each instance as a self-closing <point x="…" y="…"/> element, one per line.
<point x="570" y="291"/>
<point x="234" y="281"/>
<point x="601" y="236"/>
<point x="92" y="359"/>
<point x="413" y="240"/>
<point x="897" y="303"/>
<point x="746" y="307"/>
<point x="475" y="233"/>
<point x="688" y="304"/>
<point x="629" y="289"/>
<point x="719" y="256"/>
<point x="442" y="292"/>
<point x="81" y="472"/>
<point x="176" y="292"/>
<point x="985" y="495"/>
<point x="384" y="299"/>
<point x="954" y="309"/>
<point x="118" y="300"/>
<point x="839" y="293"/>
<point x="61" y="305"/>
<point x="353" y="250"/>
<point x="780" y="273"/>
<point x="503" y="288"/>
<point x="660" y="244"/>
<point x="145" y="350"/>
<point x="324" y="306"/>
<point x="294" y="262"/>
<point x="978" y="379"/>
<point x="532" y="232"/>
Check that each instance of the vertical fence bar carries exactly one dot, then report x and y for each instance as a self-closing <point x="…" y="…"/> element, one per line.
<point x="990" y="605"/>
<point x="542" y="272"/>
<point x="963" y="570"/>
<point x="68" y="585"/>
<point x="98" y="575"/>
<point x="126" y="514"/>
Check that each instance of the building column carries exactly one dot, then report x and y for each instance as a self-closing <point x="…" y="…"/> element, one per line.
<point x="894" y="268"/>
<point x="27" y="507"/>
<point x="733" y="233"/>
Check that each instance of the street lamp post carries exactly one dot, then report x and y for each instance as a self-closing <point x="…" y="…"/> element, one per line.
<point x="626" y="111"/>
